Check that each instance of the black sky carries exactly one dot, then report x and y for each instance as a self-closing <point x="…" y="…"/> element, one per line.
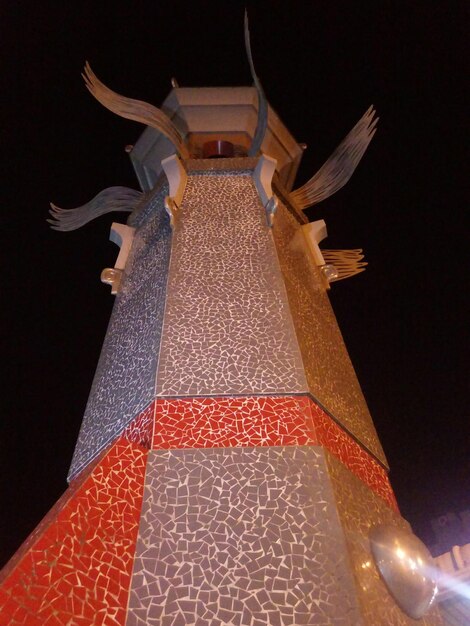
<point x="322" y="63"/>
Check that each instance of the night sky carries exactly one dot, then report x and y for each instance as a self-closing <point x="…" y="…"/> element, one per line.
<point x="322" y="63"/>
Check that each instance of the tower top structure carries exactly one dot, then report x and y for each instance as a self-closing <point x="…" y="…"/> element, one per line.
<point x="202" y="114"/>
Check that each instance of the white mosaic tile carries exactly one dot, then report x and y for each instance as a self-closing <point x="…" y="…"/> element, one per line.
<point x="244" y="536"/>
<point x="227" y="328"/>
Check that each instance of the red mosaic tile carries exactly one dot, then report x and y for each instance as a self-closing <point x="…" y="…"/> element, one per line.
<point x="77" y="570"/>
<point x="140" y="429"/>
<point x="330" y="435"/>
<point x="263" y="421"/>
<point x="48" y="518"/>
<point x="232" y="422"/>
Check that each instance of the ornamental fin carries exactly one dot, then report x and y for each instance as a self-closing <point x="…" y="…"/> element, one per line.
<point x="262" y="123"/>
<point x="107" y="201"/>
<point x="339" y="168"/>
<point x="136" y="110"/>
<point x="346" y="263"/>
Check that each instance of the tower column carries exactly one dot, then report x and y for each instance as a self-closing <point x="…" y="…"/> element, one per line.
<point x="227" y="471"/>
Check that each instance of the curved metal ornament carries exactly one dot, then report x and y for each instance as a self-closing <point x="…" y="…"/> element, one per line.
<point x="262" y="123"/>
<point x="407" y="568"/>
<point x="339" y="168"/>
<point x="107" y="201"/>
<point x="136" y="110"/>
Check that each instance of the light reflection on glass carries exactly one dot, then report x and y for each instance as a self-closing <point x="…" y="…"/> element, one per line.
<point x="406" y="567"/>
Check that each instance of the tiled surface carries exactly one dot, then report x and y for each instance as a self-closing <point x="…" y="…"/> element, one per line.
<point x="78" y="570"/>
<point x="227" y="327"/>
<point x="225" y="422"/>
<point x="140" y="430"/>
<point x="359" y="509"/>
<point x="47" y="520"/>
<point x="216" y="165"/>
<point x="125" y="378"/>
<point x="244" y="536"/>
<point x="330" y="374"/>
<point x="263" y="421"/>
<point x="349" y="452"/>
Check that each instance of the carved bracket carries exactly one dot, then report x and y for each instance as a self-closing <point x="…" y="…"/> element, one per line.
<point x="176" y="175"/>
<point x="112" y="277"/>
<point x="334" y="264"/>
<point x="307" y="239"/>
<point x="123" y="236"/>
<point x="271" y="208"/>
<point x="263" y="176"/>
<point x="313" y="233"/>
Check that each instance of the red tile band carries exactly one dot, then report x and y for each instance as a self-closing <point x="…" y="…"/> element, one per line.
<point x="332" y="437"/>
<point x="141" y="428"/>
<point x="232" y="422"/>
<point x="78" y="570"/>
<point x="262" y="421"/>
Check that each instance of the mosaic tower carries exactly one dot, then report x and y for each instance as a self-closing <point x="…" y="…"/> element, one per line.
<point x="227" y="470"/>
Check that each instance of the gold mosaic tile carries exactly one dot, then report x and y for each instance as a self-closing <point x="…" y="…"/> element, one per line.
<point x="330" y="375"/>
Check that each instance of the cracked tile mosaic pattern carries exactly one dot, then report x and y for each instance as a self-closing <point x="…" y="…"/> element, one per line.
<point x="349" y="452"/>
<point x="141" y="428"/>
<point x="330" y="374"/>
<point x="227" y="328"/>
<point x="125" y="377"/>
<point x="225" y="422"/>
<point x="263" y="421"/>
<point x="245" y="536"/>
<point x="359" y="509"/>
<point x="78" y="569"/>
<point x="46" y="520"/>
<point x="217" y="165"/>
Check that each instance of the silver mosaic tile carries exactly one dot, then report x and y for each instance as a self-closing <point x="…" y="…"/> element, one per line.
<point x="124" y="382"/>
<point x="328" y="368"/>
<point x="227" y="328"/>
<point x="242" y="536"/>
